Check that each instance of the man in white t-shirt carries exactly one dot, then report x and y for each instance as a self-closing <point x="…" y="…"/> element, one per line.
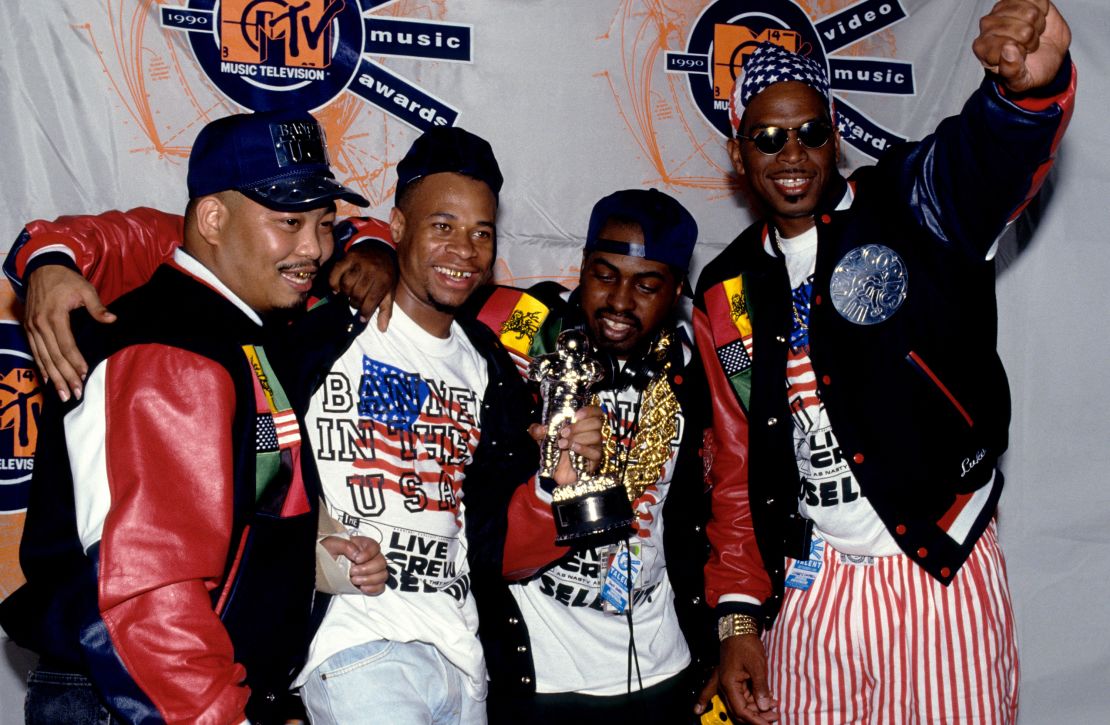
<point x="420" y="434"/>
<point x="578" y="644"/>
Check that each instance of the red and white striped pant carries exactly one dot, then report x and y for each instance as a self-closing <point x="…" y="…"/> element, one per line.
<point x="885" y="643"/>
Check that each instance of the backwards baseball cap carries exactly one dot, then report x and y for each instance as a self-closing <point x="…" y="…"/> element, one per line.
<point x="276" y="158"/>
<point x="669" y="230"/>
<point x="769" y="64"/>
<point x="449" y="149"/>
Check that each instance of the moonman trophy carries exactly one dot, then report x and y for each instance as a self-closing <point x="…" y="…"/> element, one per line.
<point x="595" y="509"/>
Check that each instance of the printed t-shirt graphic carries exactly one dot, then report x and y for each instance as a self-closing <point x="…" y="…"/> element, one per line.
<point x="391" y="445"/>
<point x="831" y="496"/>
<point x="565" y="600"/>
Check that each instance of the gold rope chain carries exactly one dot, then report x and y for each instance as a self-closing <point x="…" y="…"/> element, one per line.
<point x="643" y="462"/>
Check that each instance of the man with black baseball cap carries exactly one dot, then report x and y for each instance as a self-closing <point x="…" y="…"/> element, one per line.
<point x="420" y="434"/>
<point x="589" y="648"/>
<point x="169" y="540"/>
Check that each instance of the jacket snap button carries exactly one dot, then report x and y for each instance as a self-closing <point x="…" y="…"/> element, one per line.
<point x="521" y="648"/>
<point x="817" y="299"/>
<point x="825" y="218"/>
<point x="858" y="458"/>
<point x="900" y="529"/>
<point x="772" y="421"/>
<point x="780" y="339"/>
<point x="826" y="379"/>
<point x="945" y="571"/>
<point x="514" y="620"/>
<point x="922" y="552"/>
<point x="526" y="680"/>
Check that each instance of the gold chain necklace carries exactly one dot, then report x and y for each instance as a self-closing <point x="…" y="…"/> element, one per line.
<point x="641" y="464"/>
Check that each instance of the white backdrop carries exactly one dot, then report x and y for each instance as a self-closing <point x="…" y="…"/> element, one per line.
<point x="99" y="105"/>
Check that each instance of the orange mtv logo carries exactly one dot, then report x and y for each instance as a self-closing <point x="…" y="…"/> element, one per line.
<point x="20" y="405"/>
<point x="282" y="32"/>
<point x="732" y="44"/>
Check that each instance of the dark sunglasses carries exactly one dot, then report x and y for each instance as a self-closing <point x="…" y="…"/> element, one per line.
<point x="772" y="139"/>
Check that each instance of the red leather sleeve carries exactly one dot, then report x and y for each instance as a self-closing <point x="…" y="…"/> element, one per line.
<point x="735" y="565"/>
<point x="116" y="251"/>
<point x="530" y="541"/>
<point x="168" y="421"/>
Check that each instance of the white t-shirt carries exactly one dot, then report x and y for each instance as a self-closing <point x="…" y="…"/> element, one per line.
<point x="578" y="647"/>
<point x="392" y="429"/>
<point x="841" y="513"/>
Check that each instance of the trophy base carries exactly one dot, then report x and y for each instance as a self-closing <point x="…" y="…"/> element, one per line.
<point x="593" y="519"/>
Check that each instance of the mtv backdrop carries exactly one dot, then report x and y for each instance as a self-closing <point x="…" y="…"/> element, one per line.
<point x="101" y="100"/>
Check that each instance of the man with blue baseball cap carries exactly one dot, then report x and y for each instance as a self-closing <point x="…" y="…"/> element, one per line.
<point x="584" y="643"/>
<point x="859" y="403"/>
<point x="277" y="159"/>
<point x="169" y="539"/>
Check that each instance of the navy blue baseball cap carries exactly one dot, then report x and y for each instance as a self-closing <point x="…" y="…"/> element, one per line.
<point x="669" y="230"/>
<point x="449" y="149"/>
<point x="276" y="158"/>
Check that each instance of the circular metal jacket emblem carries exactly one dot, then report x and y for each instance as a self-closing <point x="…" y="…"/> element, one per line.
<point x="869" y="284"/>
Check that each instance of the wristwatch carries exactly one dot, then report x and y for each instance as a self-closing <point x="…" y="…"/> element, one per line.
<point x="733" y="625"/>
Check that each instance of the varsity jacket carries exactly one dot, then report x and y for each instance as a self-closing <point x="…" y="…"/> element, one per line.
<point x="527" y="323"/>
<point x="176" y="570"/>
<point x="902" y="340"/>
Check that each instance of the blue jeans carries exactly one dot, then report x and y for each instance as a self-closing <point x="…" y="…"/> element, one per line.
<point x="390" y="683"/>
<point x="63" y="698"/>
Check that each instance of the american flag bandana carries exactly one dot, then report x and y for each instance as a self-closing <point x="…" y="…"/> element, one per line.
<point x="769" y="64"/>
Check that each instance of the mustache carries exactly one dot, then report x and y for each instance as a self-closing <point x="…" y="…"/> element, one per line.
<point x="312" y="267"/>
<point x="619" y="317"/>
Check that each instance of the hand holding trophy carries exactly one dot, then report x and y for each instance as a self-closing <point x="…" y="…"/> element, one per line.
<point x="594" y="509"/>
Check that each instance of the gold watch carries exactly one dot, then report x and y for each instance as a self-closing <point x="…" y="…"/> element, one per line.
<point x="733" y="625"/>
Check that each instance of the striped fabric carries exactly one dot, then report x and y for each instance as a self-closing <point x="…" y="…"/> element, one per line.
<point x="877" y="640"/>
<point x="801" y="384"/>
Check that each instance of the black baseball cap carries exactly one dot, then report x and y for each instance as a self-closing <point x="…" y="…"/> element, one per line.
<point x="670" y="232"/>
<point x="449" y="149"/>
<point x="276" y="158"/>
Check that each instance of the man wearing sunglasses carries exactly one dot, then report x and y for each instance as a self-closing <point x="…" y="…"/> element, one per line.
<point x="860" y="406"/>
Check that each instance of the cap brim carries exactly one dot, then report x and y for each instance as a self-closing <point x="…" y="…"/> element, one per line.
<point x="302" y="193"/>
